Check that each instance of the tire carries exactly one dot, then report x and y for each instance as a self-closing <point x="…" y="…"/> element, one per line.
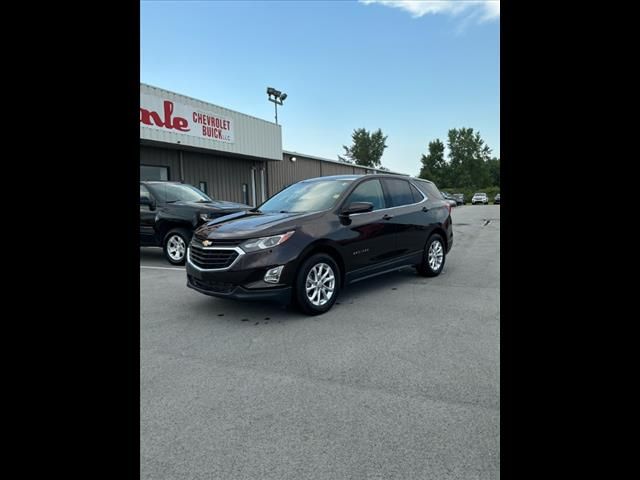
<point x="175" y="245"/>
<point x="311" y="303"/>
<point x="430" y="266"/>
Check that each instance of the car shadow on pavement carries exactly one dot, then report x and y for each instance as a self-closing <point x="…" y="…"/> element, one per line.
<point x="244" y="312"/>
<point x="153" y="256"/>
<point x="265" y="313"/>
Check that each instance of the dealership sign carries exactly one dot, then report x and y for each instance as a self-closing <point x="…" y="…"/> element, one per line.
<point x="168" y="115"/>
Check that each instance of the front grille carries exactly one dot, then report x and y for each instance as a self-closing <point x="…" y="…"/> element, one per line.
<point x="226" y="243"/>
<point x="217" y="243"/>
<point x="211" y="258"/>
<point x="219" y="287"/>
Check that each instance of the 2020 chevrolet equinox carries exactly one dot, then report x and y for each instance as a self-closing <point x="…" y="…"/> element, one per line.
<point x="314" y="237"/>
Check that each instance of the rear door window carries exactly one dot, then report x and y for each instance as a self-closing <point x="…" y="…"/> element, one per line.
<point x="417" y="195"/>
<point x="399" y="192"/>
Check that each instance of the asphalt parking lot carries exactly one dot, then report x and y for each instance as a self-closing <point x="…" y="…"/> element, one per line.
<point x="400" y="380"/>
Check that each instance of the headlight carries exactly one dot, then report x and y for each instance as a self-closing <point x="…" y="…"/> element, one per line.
<point x="263" y="243"/>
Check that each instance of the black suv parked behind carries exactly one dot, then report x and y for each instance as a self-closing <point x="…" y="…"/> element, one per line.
<point x="170" y="211"/>
<point x="459" y="197"/>
<point x="315" y="236"/>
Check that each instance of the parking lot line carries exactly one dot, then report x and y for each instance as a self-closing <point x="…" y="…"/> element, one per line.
<point x="162" y="268"/>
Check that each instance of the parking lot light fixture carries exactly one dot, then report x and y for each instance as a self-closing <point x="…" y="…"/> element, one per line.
<point x="277" y="97"/>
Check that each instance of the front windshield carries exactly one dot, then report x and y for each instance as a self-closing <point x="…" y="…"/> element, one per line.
<point x="306" y="196"/>
<point x="175" y="192"/>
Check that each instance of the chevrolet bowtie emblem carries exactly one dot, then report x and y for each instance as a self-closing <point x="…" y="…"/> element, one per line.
<point x="206" y="243"/>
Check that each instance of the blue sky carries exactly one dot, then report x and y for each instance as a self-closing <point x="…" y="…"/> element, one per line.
<point x="413" y="69"/>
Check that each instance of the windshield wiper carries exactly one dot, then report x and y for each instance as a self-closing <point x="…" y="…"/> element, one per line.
<point x="171" y="201"/>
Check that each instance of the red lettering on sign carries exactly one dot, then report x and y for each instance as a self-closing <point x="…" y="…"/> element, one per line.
<point x="181" y="124"/>
<point x="148" y="117"/>
<point x="153" y="118"/>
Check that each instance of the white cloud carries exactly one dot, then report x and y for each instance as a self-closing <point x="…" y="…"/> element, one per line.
<point x="483" y="10"/>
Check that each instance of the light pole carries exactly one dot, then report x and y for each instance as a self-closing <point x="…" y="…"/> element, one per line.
<point x="277" y="97"/>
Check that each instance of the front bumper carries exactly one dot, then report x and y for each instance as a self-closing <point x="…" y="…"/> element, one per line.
<point x="237" y="292"/>
<point x="243" y="279"/>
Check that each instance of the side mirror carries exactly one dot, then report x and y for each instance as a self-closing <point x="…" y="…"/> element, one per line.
<point x="144" y="200"/>
<point x="357" y="207"/>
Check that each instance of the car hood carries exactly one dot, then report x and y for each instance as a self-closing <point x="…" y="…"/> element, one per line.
<point x="215" y="205"/>
<point x="242" y="225"/>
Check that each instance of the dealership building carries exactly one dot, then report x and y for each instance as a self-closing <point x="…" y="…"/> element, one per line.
<point x="227" y="154"/>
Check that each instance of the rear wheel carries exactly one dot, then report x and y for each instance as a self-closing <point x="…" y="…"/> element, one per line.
<point x="434" y="257"/>
<point x="175" y="245"/>
<point x="317" y="284"/>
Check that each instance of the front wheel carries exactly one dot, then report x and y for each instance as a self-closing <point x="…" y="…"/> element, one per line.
<point x="434" y="256"/>
<point x="317" y="284"/>
<point x="175" y="245"/>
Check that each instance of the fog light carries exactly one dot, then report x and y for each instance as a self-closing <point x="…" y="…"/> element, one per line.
<point x="273" y="275"/>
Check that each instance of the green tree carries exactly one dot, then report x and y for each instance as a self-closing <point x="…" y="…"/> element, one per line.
<point x="434" y="165"/>
<point x="469" y="155"/>
<point x="494" y="171"/>
<point x="367" y="148"/>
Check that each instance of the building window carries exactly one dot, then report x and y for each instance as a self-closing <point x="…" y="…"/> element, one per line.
<point x="203" y="187"/>
<point x="152" y="172"/>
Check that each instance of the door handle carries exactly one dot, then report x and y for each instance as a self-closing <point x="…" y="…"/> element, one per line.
<point x="387" y="217"/>
<point x="425" y="209"/>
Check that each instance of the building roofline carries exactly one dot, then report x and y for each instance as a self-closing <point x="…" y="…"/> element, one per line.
<point x="313" y="157"/>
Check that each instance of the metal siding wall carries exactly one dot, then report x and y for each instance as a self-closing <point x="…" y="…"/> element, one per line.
<point x="335" y="169"/>
<point x="224" y="176"/>
<point x="162" y="157"/>
<point x="281" y="174"/>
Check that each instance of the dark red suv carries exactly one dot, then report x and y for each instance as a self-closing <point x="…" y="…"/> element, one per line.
<point x="316" y="236"/>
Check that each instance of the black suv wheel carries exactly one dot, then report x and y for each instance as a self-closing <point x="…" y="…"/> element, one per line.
<point x="175" y="245"/>
<point x="434" y="256"/>
<point x="317" y="284"/>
